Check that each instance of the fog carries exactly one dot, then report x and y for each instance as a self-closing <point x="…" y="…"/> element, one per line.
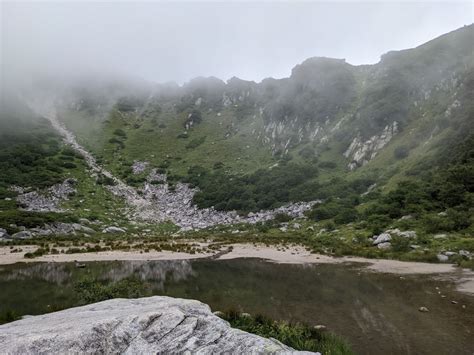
<point x="160" y="41"/>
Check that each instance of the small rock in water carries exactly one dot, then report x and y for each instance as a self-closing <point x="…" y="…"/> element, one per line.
<point x="319" y="327"/>
<point x="454" y="302"/>
<point x="423" y="309"/>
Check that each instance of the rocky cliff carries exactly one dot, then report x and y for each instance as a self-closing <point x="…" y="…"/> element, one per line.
<point x="133" y="326"/>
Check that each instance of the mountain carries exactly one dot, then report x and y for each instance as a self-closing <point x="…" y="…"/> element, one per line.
<point x="327" y="110"/>
<point x="375" y="142"/>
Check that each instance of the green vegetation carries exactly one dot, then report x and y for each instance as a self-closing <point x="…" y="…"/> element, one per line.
<point x="90" y="290"/>
<point x="296" y="335"/>
<point x="263" y="189"/>
<point x="8" y="316"/>
<point x="30" y="155"/>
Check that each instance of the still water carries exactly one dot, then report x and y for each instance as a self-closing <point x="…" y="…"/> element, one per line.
<point x="376" y="313"/>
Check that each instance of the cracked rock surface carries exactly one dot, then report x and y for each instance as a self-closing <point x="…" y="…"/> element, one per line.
<point x="133" y="326"/>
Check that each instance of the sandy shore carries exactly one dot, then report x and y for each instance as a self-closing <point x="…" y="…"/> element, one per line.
<point x="11" y="258"/>
<point x="299" y="255"/>
<point x="285" y="255"/>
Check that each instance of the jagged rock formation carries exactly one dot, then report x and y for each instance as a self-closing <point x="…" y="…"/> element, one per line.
<point x="133" y="326"/>
<point x="360" y="153"/>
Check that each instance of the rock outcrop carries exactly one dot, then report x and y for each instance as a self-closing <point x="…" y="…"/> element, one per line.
<point x="132" y="326"/>
<point x="361" y="152"/>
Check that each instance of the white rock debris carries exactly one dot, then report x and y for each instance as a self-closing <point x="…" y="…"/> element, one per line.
<point x="139" y="167"/>
<point x="45" y="201"/>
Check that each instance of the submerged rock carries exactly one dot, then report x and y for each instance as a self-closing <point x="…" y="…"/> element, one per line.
<point x="133" y="326"/>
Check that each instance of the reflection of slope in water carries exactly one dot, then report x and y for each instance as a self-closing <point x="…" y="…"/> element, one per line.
<point x="50" y="272"/>
<point x="157" y="272"/>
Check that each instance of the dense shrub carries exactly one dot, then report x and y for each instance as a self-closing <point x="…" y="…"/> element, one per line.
<point x="265" y="188"/>
<point x="27" y="156"/>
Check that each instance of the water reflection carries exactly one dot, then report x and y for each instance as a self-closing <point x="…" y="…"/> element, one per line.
<point x="50" y="272"/>
<point x="156" y="272"/>
<point x="377" y="313"/>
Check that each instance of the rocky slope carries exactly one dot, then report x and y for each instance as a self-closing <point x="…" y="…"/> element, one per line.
<point x="133" y="326"/>
<point x="152" y="203"/>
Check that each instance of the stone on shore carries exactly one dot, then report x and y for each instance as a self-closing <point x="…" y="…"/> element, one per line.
<point x="133" y="326"/>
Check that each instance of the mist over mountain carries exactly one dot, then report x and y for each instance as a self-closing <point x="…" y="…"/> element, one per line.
<point x="238" y="130"/>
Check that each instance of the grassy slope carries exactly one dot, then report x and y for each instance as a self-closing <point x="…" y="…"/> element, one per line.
<point x="240" y="152"/>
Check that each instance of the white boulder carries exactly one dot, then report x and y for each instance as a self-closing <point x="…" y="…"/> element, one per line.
<point x="153" y="325"/>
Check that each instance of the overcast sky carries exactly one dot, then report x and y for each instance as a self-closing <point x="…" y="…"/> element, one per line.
<point x="177" y="41"/>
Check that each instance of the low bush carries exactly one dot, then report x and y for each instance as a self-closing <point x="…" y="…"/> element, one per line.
<point x="296" y="335"/>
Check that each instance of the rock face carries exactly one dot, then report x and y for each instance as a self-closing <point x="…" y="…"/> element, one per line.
<point x="361" y="152"/>
<point x="132" y="326"/>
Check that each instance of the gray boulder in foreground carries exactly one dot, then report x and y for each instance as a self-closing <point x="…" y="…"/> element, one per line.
<point x="132" y="326"/>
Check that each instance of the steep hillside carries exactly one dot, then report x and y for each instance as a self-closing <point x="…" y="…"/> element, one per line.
<point x="327" y="114"/>
<point x="366" y="148"/>
<point x="42" y="181"/>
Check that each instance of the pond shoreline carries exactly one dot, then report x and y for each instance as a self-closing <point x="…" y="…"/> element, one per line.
<point x="284" y="255"/>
